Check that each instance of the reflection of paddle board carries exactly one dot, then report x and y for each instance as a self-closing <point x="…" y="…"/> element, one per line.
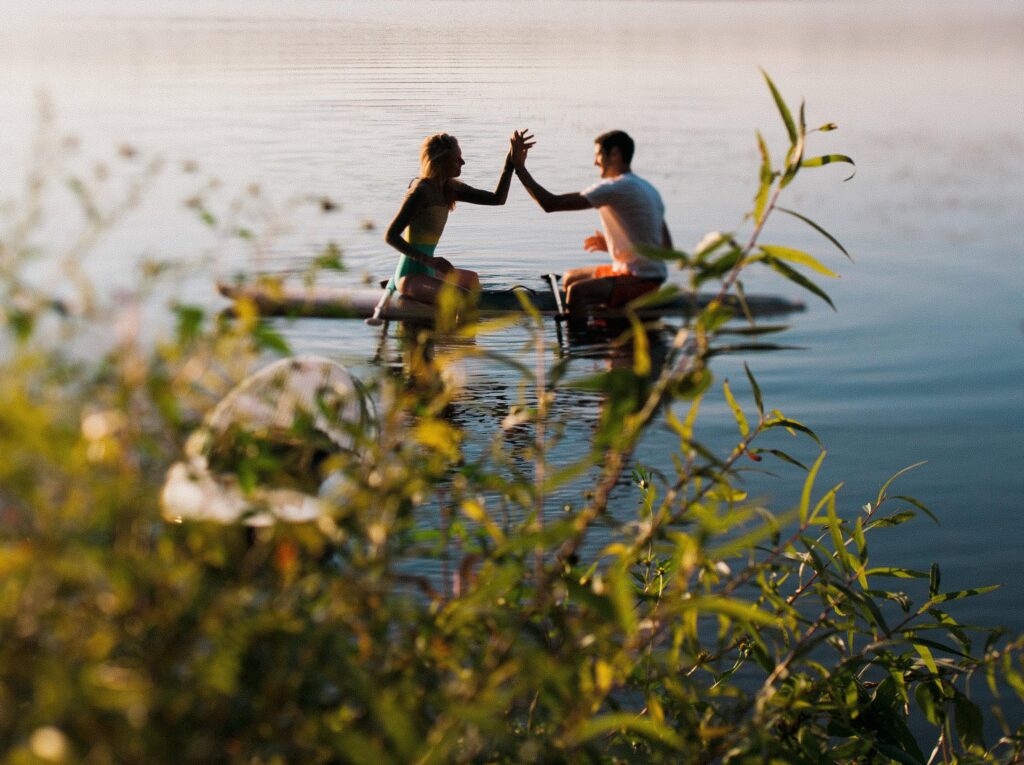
<point x="300" y="408"/>
<point x="359" y="302"/>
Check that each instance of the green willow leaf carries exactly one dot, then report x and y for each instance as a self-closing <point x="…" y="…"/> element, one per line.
<point x="835" y="530"/>
<point x="661" y="253"/>
<point x="892" y="520"/>
<point x="805" y="496"/>
<point x="795" y="156"/>
<point x="817" y="228"/>
<point x="926" y="701"/>
<point x="737" y="412"/>
<point x="735" y="609"/>
<point x="881" y="492"/>
<point x="969" y="721"/>
<point x="758" y="402"/>
<point x="828" y="159"/>
<point x="627" y="721"/>
<point x="791" y="424"/>
<point x="270" y="340"/>
<point x="622" y="594"/>
<point x="899" y="573"/>
<point x="918" y="640"/>
<point x="797" y="278"/>
<point x="656" y="298"/>
<point x="717" y="267"/>
<point x="958" y="595"/>
<point x="782" y="456"/>
<point x="767" y="175"/>
<point x="796" y="256"/>
<point x="926" y="656"/>
<point x="920" y="506"/>
<point x="787" y="118"/>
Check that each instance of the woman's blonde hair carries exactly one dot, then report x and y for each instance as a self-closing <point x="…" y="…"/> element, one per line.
<point x="433" y="153"/>
<point x="435" y="149"/>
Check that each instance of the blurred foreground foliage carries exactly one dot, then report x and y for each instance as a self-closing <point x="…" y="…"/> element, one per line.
<point x="698" y="626"/>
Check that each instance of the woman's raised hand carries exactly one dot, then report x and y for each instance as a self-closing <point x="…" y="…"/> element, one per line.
<point x="519" y="144"/>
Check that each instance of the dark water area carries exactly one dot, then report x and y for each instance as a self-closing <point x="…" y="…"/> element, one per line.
<point x="922" y="359"/>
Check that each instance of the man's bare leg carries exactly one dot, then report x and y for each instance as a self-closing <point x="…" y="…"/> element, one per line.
<point x="582" y="294"/>
<point x="574" y="275"/>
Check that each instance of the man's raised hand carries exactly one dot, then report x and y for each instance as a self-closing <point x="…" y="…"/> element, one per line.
<point x="520" y="143"/>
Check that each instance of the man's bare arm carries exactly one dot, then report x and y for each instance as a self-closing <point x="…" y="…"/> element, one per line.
<point x="551" y="202"/>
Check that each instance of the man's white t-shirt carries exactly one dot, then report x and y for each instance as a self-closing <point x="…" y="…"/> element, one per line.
<point x="632" y="214"/>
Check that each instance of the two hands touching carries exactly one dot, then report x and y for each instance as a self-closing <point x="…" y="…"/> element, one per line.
<point x="519" y="145"/>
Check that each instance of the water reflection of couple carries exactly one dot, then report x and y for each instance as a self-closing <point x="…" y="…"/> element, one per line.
<point x="631" y="210"/>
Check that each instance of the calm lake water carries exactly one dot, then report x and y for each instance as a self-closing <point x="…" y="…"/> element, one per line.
<point x="923" y="360"/>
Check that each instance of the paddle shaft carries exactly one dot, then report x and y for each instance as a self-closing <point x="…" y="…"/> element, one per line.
<point x="375" y="320"/>
<point x="552" y="280"/>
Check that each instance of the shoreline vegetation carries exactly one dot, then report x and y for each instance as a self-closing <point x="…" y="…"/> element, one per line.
<point x="706" y="627"/>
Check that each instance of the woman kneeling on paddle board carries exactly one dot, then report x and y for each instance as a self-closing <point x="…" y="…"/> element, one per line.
<point x="421" y="274"/>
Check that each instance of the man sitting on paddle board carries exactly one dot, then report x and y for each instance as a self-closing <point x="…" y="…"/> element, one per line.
<point x="632" y="214"/>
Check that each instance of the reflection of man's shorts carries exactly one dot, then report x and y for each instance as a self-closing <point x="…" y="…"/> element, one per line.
<point x="625" y="286"/>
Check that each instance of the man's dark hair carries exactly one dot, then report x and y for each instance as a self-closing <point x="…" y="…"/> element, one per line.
<point x="616" y="139"/>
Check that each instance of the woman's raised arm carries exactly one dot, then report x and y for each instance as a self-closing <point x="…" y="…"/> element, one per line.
<point x="466" y="193"/>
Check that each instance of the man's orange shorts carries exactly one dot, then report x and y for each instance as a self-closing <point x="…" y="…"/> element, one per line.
<point x="625" y="286"/>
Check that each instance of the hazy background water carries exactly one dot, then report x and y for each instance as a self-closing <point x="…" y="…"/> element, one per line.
<point x="924" y="357"/>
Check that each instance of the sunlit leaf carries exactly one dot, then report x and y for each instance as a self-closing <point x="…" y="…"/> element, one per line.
<point x="741" y="420"/>
<point x="899" y="573"/>
<point x="895" y="519"/>
<point x="641" y="347"/>
<point x="787" y="118"/>
<point x="798" y="257"/>
<point x="805" y="495"/>
<point x="827" y="159"/>
<point x="926" y="701"/>
<point x="645" y="727"/>
<point x="778" y="421"/>
<point x="661" y="253"/>
<point x="651" y="299"/>
<point x="766" y="178"/>
<point x="439" y="436"/>
<point x="733" y="608"/>
<point x="958" y="595"/>
<point x="926" y="656"/>
<point x="797" y="278"/>
<point x="475" y="511"/>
